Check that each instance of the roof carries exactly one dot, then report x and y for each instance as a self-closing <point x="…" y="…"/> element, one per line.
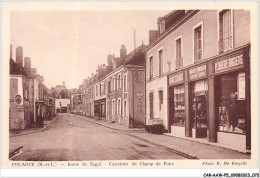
<point x="173" y="27"/>
<point x="58" y="89"/>
<point x="130" y="59"/>
<point x="167" y="15"/>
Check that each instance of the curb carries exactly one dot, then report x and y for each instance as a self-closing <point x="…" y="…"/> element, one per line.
<point x="82" y="117"/>
<point x="168" y="148"/>
<point x="142" y="139"/>
<point x="15" y="152"/>
<point x="220" y="146"/>
<point x="43" y="129"/>
<point x="93" y="121"/>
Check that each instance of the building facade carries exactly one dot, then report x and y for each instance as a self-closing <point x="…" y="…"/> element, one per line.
<point x="116" y="93"/>
<point x="62" y="99"/>
<point x="28" y="94"/>
<point x="198" y="76"/>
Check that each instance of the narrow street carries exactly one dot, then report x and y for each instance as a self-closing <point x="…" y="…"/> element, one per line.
<point x="72" y="139"/>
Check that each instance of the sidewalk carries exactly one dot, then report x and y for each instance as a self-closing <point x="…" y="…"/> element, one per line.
<point x="46" y="124"/>
<point x="114" y="126"/>
<point x="188" y="148"/>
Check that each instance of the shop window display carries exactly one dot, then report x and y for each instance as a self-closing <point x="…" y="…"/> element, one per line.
<point x="231" y="111"/>
<point x="179" y="108"/>
<point x="199" y="108"/>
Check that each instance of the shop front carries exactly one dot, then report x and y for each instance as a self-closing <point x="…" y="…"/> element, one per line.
<point x="211" y="100"/>
<point x="232" y="99"/>
<point x="198" y="101"/>
<point x="177" y="104"/>
<point x="100" y="108"/>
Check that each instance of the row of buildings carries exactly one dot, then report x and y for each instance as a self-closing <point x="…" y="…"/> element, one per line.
<point x="114" y="89"/>
<point x="31" y="102"/>
<point x="193" y="76"/>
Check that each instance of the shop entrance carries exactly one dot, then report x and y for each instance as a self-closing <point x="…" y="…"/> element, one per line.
<point x="231" y="102"/>
<point x="199" y="108"/>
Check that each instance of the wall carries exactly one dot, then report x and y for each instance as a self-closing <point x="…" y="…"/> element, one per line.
<point x="209" y="19"/>
<point x="17" y="111"/>
<point x="139" y="97"/>
<point x="241" y="26"/>
<point x="31" y="100"/>
<point x="155" y="86"/>
<point x="64" y="102"/>
<point x="114" y="95"/>
<point x="186" y="31"/>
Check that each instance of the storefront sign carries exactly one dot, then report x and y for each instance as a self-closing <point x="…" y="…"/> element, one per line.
<point x="198" y="72"/>
<point x="228" y="64"/>
<point x="19" y="108"/>
<point x="176" y="78"/>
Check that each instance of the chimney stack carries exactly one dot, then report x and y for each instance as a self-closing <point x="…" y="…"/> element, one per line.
<point x="33" y="72"/>
<point x="19" y="55"/>
<point x="123" y="53"/>
<point x="27" y="62"/>
<point x="109" y="60"/>
<point x="153" y="34"/>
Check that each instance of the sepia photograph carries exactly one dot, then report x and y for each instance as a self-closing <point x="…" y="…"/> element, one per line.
<point x="99" y="88"/>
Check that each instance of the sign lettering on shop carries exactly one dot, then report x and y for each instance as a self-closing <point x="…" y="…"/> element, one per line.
<point x="19" y="108"/>
<point x="227" y="64"/>
<point x="197" y="72"/>
<point x="175" y="78"/>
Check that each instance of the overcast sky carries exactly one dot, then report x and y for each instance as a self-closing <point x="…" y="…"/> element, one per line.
<point x="67" y="46"/>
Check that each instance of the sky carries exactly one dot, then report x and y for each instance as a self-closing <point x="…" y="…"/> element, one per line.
<point x="67" y="46"/>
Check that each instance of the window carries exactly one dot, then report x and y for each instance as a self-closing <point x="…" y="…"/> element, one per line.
<point x="125" y="108"/>
<point x="179" y="62"/>
<point x="119" y="107"/>
<point x="108" y="112"/>
<point x="162" y="27"/>
<point x="160" y="62"/>
<point x="160" y="99"/>
<point x="100" y="89"/>
<point x="109" y="86"/>
<point x="125" y="82"/>
<point x="151" y="105"/>
<point x="178" y="106"/>
<point x="119" y="81"/>
<point x="104" y="87"/>
<point x="198" y="43"/>
<point x="114" y="83"/>
<point x="113" y="107"/>
<point x="151" y="67"/>
<point x="25" y="94"/>
<point x="225" y="31"/>
<point x="96" y="90"/>
<point x="231" y="102"/>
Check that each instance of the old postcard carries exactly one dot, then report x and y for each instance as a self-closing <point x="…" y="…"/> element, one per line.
<point x="130" y="85"/>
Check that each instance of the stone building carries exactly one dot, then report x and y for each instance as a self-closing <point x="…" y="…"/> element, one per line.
<point x="198" y="76"/>
<point x="116" y="92"/>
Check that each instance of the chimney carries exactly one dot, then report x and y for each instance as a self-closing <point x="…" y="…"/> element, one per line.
<point x="153" y="34"/>
<point x="123" y="52"/>
<point x="27" y="62"/>
<point x="33" y="72"/>
<point x="19" y="55"/>
<point x="109" y="60"/>
<point x="11" y="51"/>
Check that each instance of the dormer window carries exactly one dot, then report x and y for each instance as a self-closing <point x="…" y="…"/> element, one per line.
<point x="162" y="27"/>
